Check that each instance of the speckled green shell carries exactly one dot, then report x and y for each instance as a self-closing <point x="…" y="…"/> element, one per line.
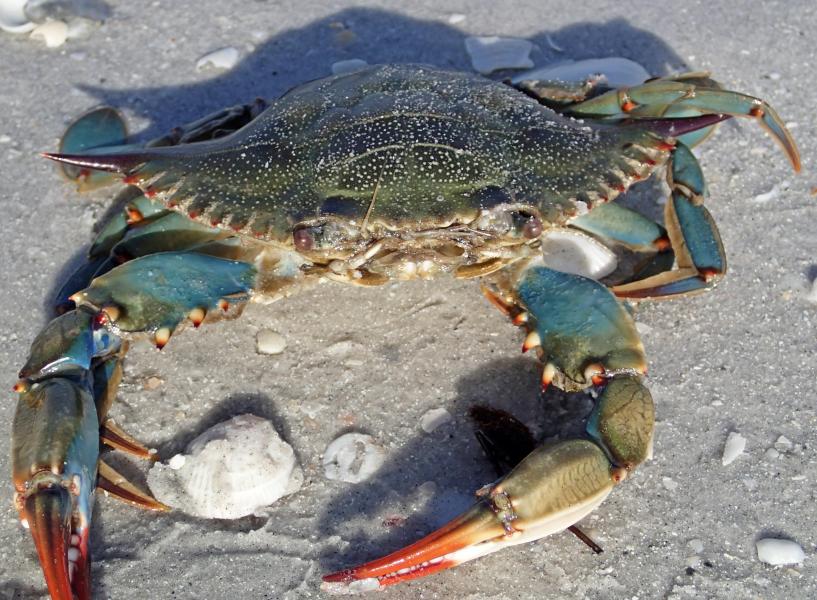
<point x="398" y="147"/>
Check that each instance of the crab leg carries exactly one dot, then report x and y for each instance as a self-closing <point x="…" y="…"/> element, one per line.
<point x="686" y="97"/>
<point x="694" y="237"/>
<point x="586" y="338"/>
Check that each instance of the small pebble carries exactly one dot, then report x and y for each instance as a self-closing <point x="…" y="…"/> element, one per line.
<point x="734" y="446"/>
<point x="456" y="18"/>
<point x="771" y="454"/>
<point x="53" y="33"/>
<point x="5" y="139"/>
<point x="783" y="444"/>
<point x="152" y="383"/>
<point x="352" y="457"/>
<point x="433" y="418"/>
<point x="669" y="484"/>
<point x="348" y="66"/>
<point x="775" y="551"/>
<point x="696" y="545"/>
<point x="773" y="193"/>
<point x="268" y="341"/>
<point x="177" y="462"/>
<point x="223" y="59"/>
<point x="489" y="54"/>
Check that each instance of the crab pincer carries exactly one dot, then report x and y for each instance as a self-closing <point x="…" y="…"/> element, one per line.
<point x="557" y="485"/>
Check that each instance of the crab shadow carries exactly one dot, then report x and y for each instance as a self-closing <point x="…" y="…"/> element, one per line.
<point x="301" y="54"/>
<point x="432" y="477"/>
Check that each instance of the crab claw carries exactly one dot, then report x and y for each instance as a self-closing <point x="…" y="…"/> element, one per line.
<point x="550" y="490"/>
<point x="54" y="461"/>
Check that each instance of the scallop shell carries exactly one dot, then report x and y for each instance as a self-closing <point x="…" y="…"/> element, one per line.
<point x="229" y="471"/>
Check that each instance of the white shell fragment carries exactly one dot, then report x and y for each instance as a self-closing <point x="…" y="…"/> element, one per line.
<point x="434" y="418"/>
<point x="268" y="341"/>
<point x="348" y="66"/>
<point x="222" y="59"/>
<point x="573" y="252"/>
<point x="351" y="588"/>
<point x="734" y="446"/>
<point x="229" y="471"/>
<point x="13" y="18"/>
<point x="618" y="72"/>
<point x="53" y="33"/>
<point x="352" y="457"/>
<point x="775" y="551"/>
<point x="489" y="54"/>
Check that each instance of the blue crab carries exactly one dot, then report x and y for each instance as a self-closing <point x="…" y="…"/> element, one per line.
<point x="391" y="172"/>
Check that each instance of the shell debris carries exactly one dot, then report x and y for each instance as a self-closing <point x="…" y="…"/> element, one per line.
<point x="734" y="446"/>
<point x="617" y="71"/>
<point x="352" y="457"/>
<point x="348" y="66"/>
<point x="774" y="551"/>
<point x="221" y="59"/>
<point x="489" y="54"/>
<point x="268" y="341"/>
<point x="13" y="18"/>
<point x="229" y="471"/>
<point x="53" y="33"/>
<point x="434" y="418"/>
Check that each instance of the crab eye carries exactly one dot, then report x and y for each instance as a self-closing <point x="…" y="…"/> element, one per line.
<point x="303" y="238"/>
<point x="532" y="228"/>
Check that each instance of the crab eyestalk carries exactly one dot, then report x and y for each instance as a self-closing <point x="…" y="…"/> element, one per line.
<point x="55" y="449"/>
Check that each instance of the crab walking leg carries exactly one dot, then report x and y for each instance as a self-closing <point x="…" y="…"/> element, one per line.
<point x="684" y="97"/>
<point x="694" y="237"/>
<point x="586" y="337"/>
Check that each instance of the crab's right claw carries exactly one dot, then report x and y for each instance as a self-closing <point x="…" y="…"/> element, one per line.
<point x="550" y="490"/>
<point x="54" y="460"/>
<point x="553" y="488"/>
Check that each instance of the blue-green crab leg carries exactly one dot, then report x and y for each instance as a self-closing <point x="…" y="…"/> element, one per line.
<point x="648" y="241"/>
<point x="587" y="339"/>
<point x="699" y="253"/>
<point x="680" y="97"/>
<point x="153" y="294"/>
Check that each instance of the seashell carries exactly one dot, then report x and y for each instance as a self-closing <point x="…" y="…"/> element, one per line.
<point x="53" y="33"/>
<point x="619" y="72"/>
<point x="221" y="59"/>
<point x="13" y="18"/>
<point x="352" y="457"/>
<point x="229" y="471"/>
<point x="574" y="252"/>
<point x="489" y="54"/>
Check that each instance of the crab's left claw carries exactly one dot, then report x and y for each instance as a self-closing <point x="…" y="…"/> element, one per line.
<point x="55" y="453"/>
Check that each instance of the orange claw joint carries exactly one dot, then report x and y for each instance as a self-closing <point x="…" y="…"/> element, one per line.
<point x="55" y="449"/>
